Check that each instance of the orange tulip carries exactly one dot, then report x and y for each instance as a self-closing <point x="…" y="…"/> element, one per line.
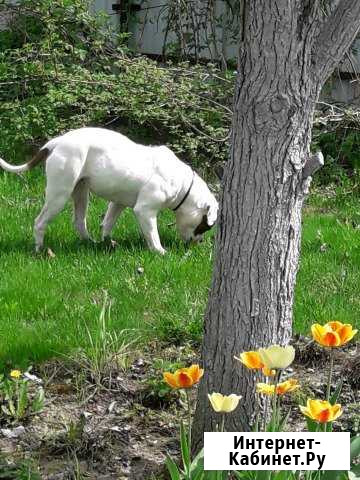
<point x="281" y="388"/>
<point x="184" y="377"/>
<point x="321" y="410"/>
<point x="332" y="334"/>
<point x="253" y="361"/>
<point x="287" y="386"/>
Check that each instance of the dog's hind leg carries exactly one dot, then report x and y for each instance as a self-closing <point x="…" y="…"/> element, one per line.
<point x="112" y="214"/>
<point x="55" y="201"/>
<point x="80" y="196"/>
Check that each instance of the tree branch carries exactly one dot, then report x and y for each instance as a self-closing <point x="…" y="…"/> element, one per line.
<point x="336" y="35"/>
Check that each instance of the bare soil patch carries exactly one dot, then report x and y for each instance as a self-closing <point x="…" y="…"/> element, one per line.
<point x="125" y="429"/>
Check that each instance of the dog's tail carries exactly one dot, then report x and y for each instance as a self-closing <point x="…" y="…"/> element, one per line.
<point x="38" y="158"/>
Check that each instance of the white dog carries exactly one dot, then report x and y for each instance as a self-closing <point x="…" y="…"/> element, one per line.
<point x="127" y="174"/>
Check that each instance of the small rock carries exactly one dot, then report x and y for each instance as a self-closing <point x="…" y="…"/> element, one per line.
<point x="13" y="433"/>
<point x="323" y="247"/>
<point x="139" y="270"/>
<point x="111" y="406"/>
<point x="32" y="378"/>
<point x="50" y="253"/>
<point x="116" y="429"/>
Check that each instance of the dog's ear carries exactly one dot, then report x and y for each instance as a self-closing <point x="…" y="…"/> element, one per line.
<point x="219" y="171"/>
<point x="212" y="214"/>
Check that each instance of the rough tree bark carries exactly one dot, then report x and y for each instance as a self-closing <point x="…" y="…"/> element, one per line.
<point x="288" y="49"/>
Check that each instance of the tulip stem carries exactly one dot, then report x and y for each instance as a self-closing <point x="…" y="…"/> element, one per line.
<point x="275" y="403"/>
<point x="331" y="368"/>
<point x="222" y="427"/>
<point x="189" y="415"/>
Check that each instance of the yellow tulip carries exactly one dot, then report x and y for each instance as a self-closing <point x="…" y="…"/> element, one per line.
<point x="224" y="403"/>
<point x="253" y="361"/>
<point x="15" y="374"/>
<point x="265" y="388"/>
<point x="321" y="410"/>
<point x="332" y="334"/>
<point x="184" y="377"/>
<point x="281" y="388"/>
<point x="276" y="357"/>
<point x="268" y="372"/>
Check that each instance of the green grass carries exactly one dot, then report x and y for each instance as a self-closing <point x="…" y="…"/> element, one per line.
<point x="45" y="303"/>
<point x="329" y="275"/>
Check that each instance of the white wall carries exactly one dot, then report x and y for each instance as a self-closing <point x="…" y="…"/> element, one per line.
<point x="105" y="5"/>
<point x="149" y="30"/>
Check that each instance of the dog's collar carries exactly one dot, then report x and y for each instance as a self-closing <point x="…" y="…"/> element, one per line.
<point x="187" y="193"/>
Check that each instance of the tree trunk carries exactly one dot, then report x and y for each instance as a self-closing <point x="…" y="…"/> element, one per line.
<point x="265" y="183"/>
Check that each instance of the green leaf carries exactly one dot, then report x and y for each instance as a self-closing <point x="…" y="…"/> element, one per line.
<point x="284" y="475"/>
<point x="22" y="400"/>
<point x="312" y="425"/>
<point x="198" y="475"/>
<point x="283" y="421"/>
<point x="354" y="473"/>
<point x="216" y="475"/>
<point x="354" y="447"/>
<point x="198" y="461"/>
<point x="173" y="469"/>
<point x="334" y="397"/>
<point x="38" y="402"/>
<point x="263" y="475"/>
<point x="334" y="475"/>
<point x="185" y="450"/>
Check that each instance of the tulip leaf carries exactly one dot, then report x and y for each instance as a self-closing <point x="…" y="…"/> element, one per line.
<point x="242" y="475"/>
<point x="198" y="462"/>
<point x="185" y="448"/>
<point x="354" y="447"/>
<point x="312" y="425"/>
<point x="284" y="475"/>
<point x="198" y="474"/>
<point x="354" y="473"/>
<point x="263" y="475"/>
<point x="334" y="397"/>
<point x="334" y="475"/>
<point x="211" y="475"/>
<point x="173" y="469"/>
<point x="283" y="421"/>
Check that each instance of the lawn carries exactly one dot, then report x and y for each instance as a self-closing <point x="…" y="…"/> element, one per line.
<point x="46" y="303"/>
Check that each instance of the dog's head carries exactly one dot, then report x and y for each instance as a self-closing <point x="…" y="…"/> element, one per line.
<point x="192" y="225"/>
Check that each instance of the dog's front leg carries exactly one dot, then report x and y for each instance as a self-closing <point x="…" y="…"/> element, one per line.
<point x="112" y="214"/>
<point x="148" y="224"/>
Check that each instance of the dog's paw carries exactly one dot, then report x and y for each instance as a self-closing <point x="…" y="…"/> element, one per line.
<point x="44" y="253"/>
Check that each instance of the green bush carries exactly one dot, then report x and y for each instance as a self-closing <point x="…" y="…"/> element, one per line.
<point x="341" y="149"/>
<point x="62" y="68"/>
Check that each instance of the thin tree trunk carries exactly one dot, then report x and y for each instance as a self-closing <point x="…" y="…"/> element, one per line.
<point x="266" y="181"/>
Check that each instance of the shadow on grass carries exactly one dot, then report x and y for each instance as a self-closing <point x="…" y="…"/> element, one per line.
<point x="130" y="244"/>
